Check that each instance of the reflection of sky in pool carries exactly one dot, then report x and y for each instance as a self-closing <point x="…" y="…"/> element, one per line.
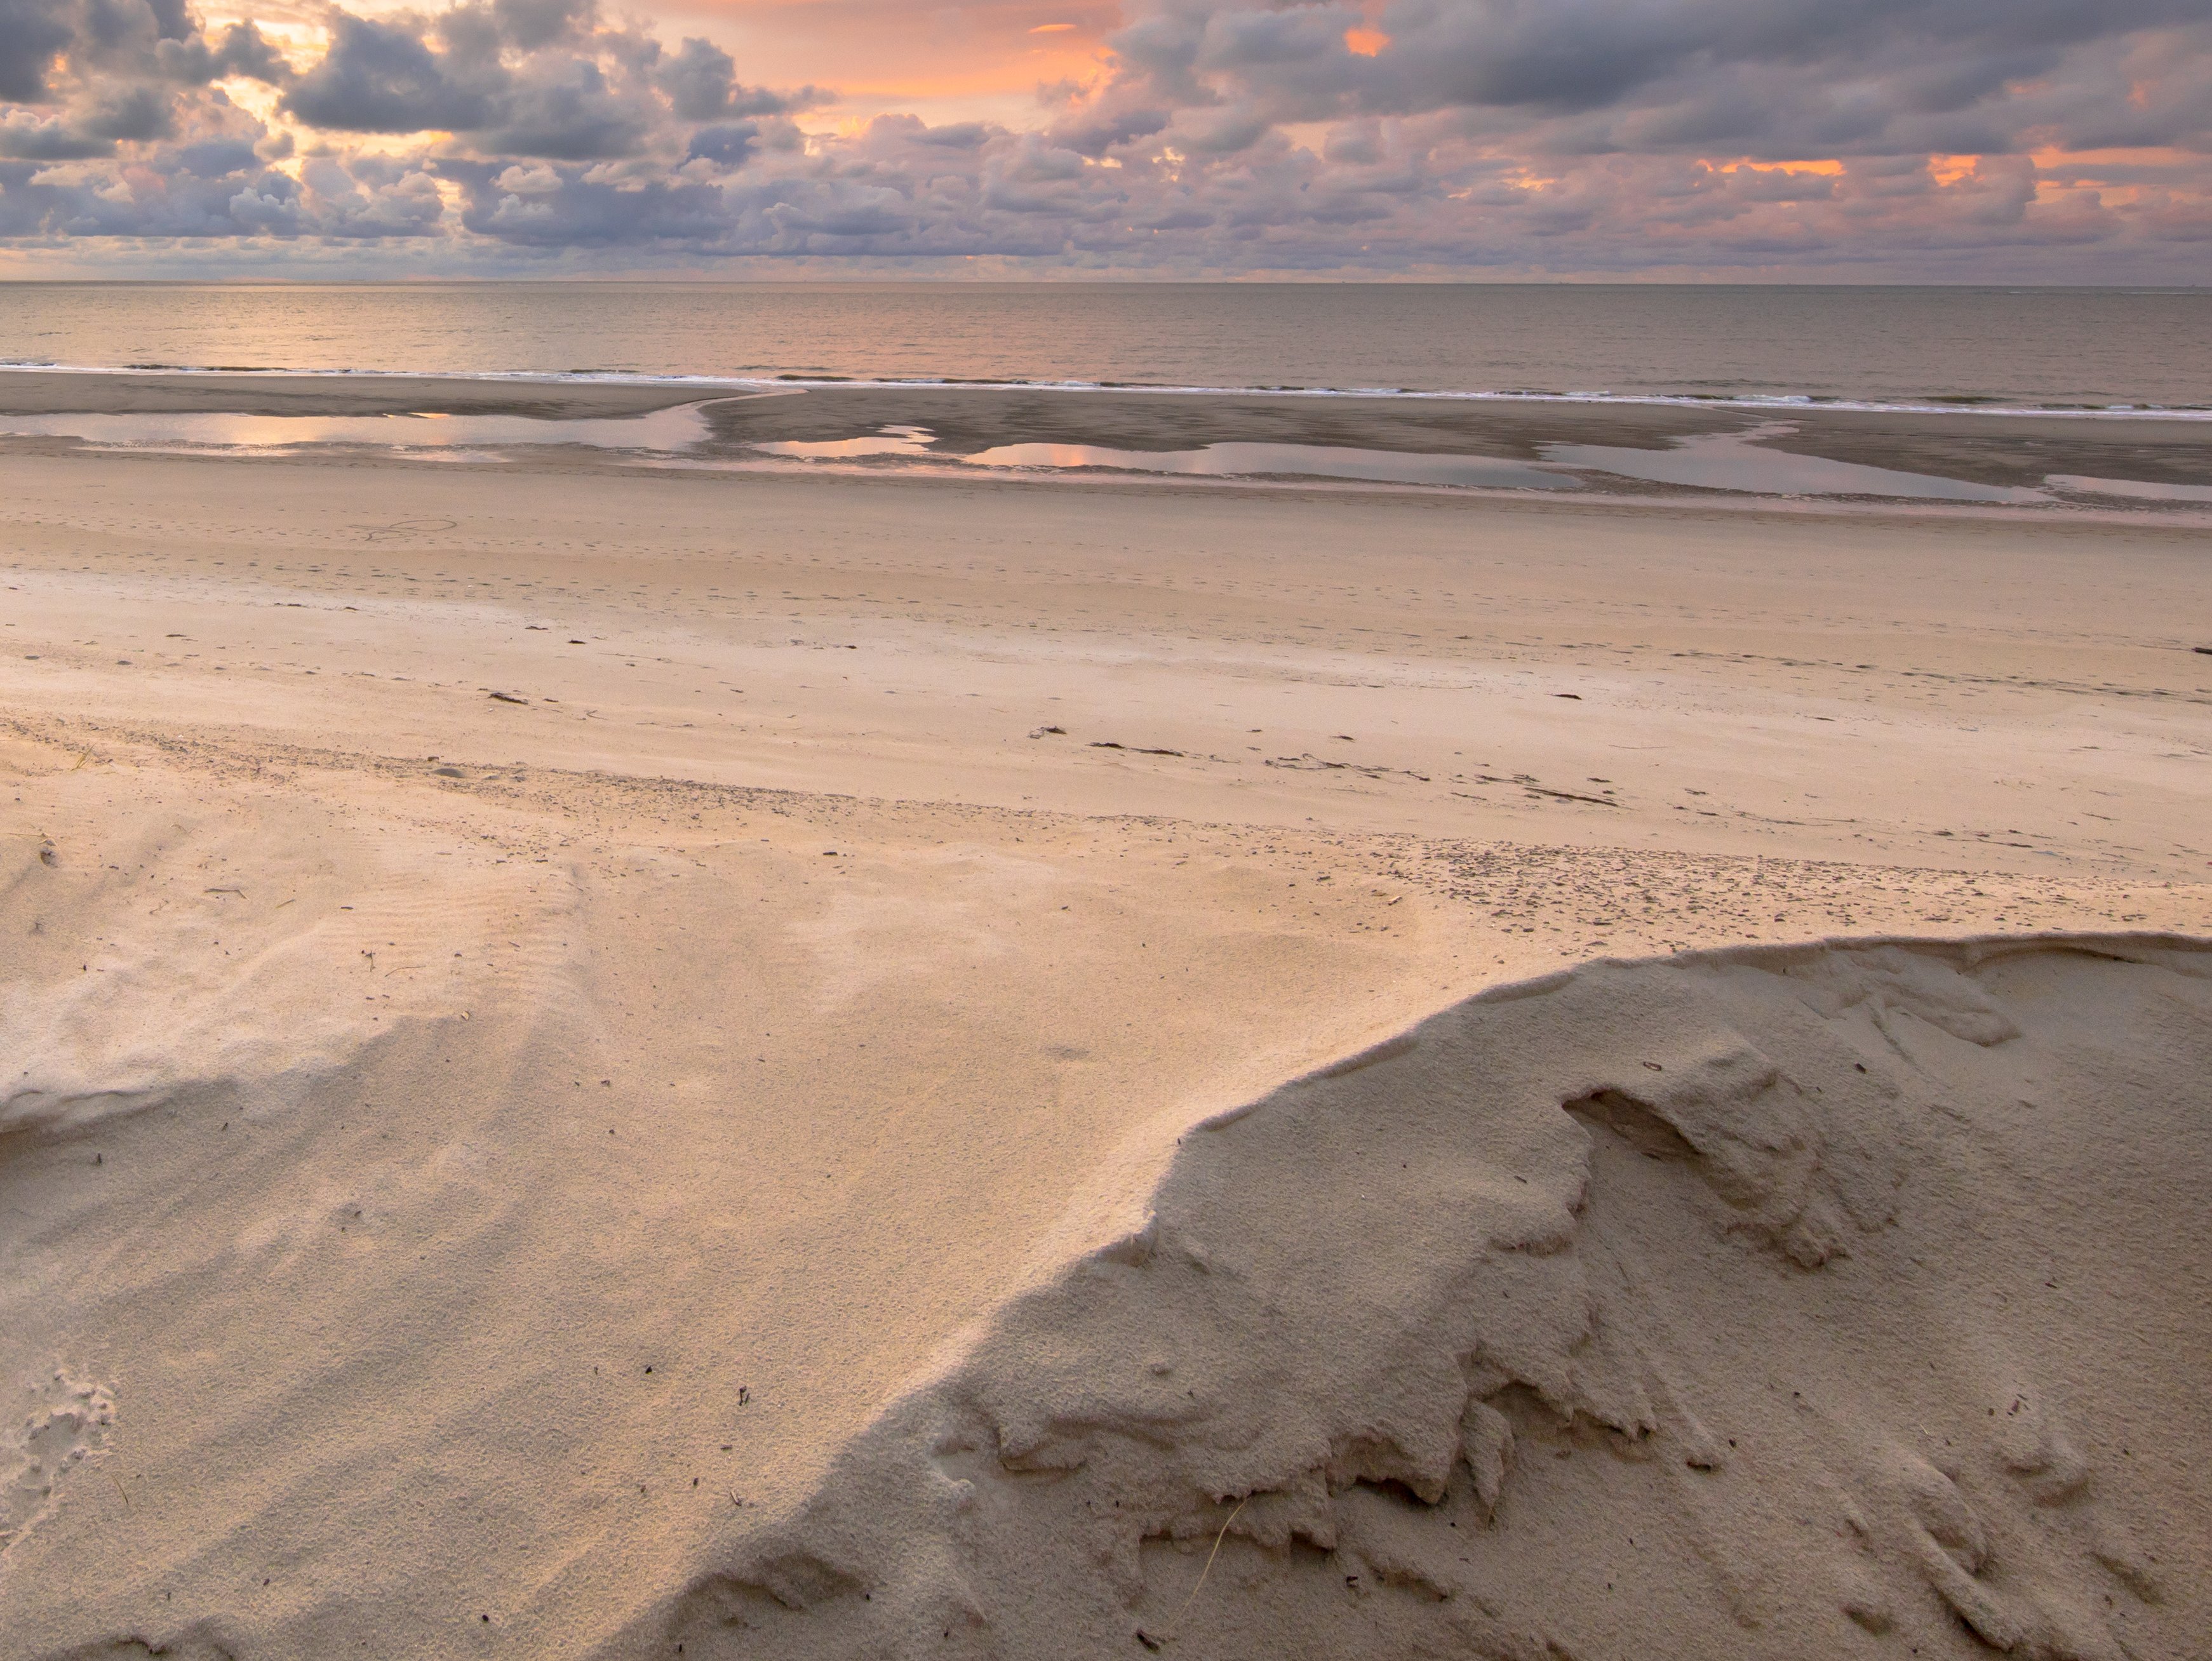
<point x="1309" y="460"/>
<point x="889" y="441"/>
<point x="662" y="429"/>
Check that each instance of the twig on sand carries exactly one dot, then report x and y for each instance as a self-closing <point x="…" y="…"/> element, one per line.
<point x="1152" y="1643"/>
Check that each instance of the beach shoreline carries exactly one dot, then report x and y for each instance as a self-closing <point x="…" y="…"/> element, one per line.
<point x="1999" y="452"/>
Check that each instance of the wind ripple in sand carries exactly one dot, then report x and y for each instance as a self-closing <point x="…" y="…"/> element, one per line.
<point x="159" y="970"/>
<point x="1845" y="1298"/>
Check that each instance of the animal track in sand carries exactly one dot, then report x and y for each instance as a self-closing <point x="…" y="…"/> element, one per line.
<point x="377" y="533"/>
<point x="63" y="1420"/>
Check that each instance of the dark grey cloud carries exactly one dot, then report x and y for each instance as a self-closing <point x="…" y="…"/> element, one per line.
<point x="1095" y="130"/>
<point x="529" y="24"/>
<point x="387" y="78"/>
<point x="527" y="78"/>
<point x="730" y="146"/>
<point x="136" y="113"/>
<point x="700" y="82"/>
<point x="573" y="115"/>
<point x="241" y="50"/>
<point x="32" y="34"/>
<point x="24" y="137"/>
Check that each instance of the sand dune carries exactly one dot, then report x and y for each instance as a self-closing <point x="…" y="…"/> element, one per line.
<point x="1756" y="1302"/>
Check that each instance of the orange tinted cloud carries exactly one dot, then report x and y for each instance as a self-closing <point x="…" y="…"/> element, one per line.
<point x="2053" y="157"/>
<point x="1825" y="168"/>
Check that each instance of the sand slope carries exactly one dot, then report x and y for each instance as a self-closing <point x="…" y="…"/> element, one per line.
<point x="1794" y="1302"/>
<point x="424" y="1209"/>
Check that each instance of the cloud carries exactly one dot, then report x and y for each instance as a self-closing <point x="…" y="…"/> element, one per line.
<point x="25" y="138"/>
<point x="387" y="78"/>
<point x="699" y="80"/>
<point x="1096" y="130"/>
<point x="529" y="24"/>
<point x="242" y="52"/>
<point x="32" y="34"/>
<point x="729" y="146"/>
<point x="1595" y="74"/>
<point x="570" y="114"/>
<point x="1902" y="138"/>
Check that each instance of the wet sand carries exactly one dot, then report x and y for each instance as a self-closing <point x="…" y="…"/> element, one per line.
<point x="1986" y="449"/>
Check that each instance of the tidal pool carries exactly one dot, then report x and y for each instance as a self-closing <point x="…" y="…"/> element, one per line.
<point x="669" y="430"/>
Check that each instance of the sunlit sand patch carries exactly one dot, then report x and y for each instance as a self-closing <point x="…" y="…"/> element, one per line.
<point x="2136" y="490"/>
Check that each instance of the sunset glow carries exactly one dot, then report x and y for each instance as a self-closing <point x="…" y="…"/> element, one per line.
<point x="1136" y="135"/>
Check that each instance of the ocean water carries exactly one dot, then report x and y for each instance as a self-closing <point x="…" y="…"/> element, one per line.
<point x="2003" y="348"/>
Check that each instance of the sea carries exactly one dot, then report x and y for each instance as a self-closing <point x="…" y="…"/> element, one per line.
<point x="2032" y="348"/>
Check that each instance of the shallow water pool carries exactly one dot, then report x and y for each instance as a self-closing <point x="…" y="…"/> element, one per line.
<point x="669" y="430"/>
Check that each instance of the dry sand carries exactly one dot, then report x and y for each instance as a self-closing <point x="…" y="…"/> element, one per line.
<point x="600" y="1061"/>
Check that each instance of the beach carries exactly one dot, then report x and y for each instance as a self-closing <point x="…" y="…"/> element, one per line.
<point x="618" y="1058"/>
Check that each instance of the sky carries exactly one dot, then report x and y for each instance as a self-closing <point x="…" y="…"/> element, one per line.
<point x="2009" y="141"/>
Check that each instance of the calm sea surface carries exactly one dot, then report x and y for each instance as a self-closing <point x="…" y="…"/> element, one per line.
<point x="2008" y="347"/>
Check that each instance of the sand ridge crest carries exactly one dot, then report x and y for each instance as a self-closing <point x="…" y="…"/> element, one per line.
<point x="1411" y="1353"/>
